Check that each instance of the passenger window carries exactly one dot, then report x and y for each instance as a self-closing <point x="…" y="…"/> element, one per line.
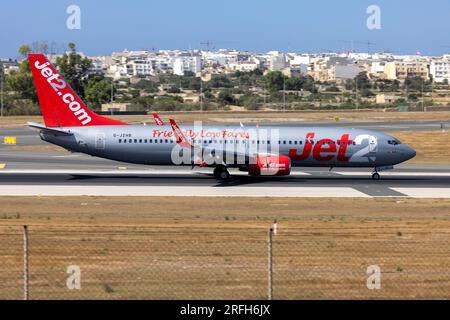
<point x="130" y="141"/>
<point x="166" y="141"/>
<point x="120" y="140"/>
<point x="140" y="140"/>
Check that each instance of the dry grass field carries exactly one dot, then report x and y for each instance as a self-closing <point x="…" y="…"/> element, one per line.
<point x="232" y="117"/>
<point x="431" y="146"/>
<point x="182" y="248"/>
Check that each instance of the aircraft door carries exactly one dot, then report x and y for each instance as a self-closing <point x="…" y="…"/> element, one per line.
<point x="100" y="141"/>
<point x="373" y="144"/>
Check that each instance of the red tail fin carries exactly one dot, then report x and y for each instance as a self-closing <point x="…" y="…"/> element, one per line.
<point x="60" y="105"/>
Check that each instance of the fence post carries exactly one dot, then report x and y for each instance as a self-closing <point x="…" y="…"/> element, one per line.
<point x="269" y="265"/>
<point x="25" y="263"/>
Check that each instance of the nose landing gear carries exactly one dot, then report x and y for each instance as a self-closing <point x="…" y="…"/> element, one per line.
<point x="375" y="176"/>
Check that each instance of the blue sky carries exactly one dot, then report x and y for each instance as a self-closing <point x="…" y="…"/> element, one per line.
<point x="285" y="25"/>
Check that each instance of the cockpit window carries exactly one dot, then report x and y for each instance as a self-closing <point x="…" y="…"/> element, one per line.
<point x="394" y="142"/>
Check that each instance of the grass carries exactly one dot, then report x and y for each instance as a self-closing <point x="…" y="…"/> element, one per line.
<point x="157" y="248"/>
<point x="230" y="117"/>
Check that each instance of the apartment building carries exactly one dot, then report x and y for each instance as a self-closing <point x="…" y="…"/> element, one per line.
<point x="183" y="64"/>
<point x="440" y="69"/>
<point x="400" y="70"/>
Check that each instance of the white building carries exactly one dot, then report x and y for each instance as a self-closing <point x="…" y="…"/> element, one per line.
<point x="440" y="69"/>
<point x="140" y="67"/>
<point x="184" y="64"/>
<point x="277" y="61"/>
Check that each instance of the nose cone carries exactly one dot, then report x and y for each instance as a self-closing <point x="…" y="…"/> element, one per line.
<point x="408" y="153"/>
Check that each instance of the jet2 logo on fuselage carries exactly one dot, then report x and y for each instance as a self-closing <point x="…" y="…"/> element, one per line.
<point x="326" y="149"/>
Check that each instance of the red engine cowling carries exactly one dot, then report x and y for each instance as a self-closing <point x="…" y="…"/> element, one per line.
<point x="270" y="166"/>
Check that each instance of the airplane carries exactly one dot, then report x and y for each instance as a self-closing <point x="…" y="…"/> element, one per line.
<point x="259" y="150"/>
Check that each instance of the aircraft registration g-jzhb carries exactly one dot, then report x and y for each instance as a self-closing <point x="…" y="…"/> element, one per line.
<point x="269" y="150"/>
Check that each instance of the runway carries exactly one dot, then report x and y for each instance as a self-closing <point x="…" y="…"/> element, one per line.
<point x="60" y="173"/>
<point x="176" y="181"/>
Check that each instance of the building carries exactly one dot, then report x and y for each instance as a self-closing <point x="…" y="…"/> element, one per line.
<point x="114" y="107"/>
<point x="243" y="66"/>
<point x="184" y="64"/>
<point x="9" y="65"/>
<point x="383" y="98"/>
<point x="401" y="70"/>
<point x="277" y="61"/>
<point x="440" y="69"/>
<point x="326" y="69"/>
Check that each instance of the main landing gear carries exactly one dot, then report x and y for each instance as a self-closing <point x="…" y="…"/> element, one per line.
<point x="221" y="173"/>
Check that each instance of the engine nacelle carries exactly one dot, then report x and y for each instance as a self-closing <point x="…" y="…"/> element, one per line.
<point x="270" y="166"/>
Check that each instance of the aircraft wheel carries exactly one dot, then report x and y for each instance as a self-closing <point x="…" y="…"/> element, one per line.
<point x="221" y="173"/>
<point x="376" y="176"/>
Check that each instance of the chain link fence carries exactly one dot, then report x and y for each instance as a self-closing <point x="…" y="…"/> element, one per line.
<point x="114" y="262"/>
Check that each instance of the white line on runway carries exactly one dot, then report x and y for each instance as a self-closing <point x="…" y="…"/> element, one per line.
<point x="179" y="191"/>
<point x="395" y="174"/>
<point x="425" y="192"/>
<point x="126" y="172"/>
<point x="188" y="172"/>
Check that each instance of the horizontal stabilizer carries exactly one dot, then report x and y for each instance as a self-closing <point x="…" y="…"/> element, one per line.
<point x="59" y="132"/>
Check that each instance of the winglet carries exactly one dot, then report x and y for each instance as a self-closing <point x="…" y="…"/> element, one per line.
<point x="158" y="120"/>
<point x="181" y="139"/>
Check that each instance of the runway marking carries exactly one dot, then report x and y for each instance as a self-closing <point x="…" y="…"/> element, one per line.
<point x="129" y="171"/>
<point x="394" y="174"/>
<point x="67" y="156"/>
<point x="195" y="171"/>
<point x="180" y="191"/>
<point x="425" y="192"/>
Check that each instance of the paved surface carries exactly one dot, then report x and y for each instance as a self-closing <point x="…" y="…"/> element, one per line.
<point x="62" y="173"/>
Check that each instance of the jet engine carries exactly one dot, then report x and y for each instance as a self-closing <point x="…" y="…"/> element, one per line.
<point x="270" y="166"/>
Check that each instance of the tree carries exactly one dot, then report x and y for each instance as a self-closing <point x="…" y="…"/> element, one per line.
<point x="24" y="50"/>
<point x="362" y="81"/>
<point x="275" y="80"/>
<point x="174" y="89"/>
<point x="97" y="91"/>
<point x="417" y="84"/>
<point x="75" y="69"/>
<point x="21" y="81"/>
<point x="225" y="97"/>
